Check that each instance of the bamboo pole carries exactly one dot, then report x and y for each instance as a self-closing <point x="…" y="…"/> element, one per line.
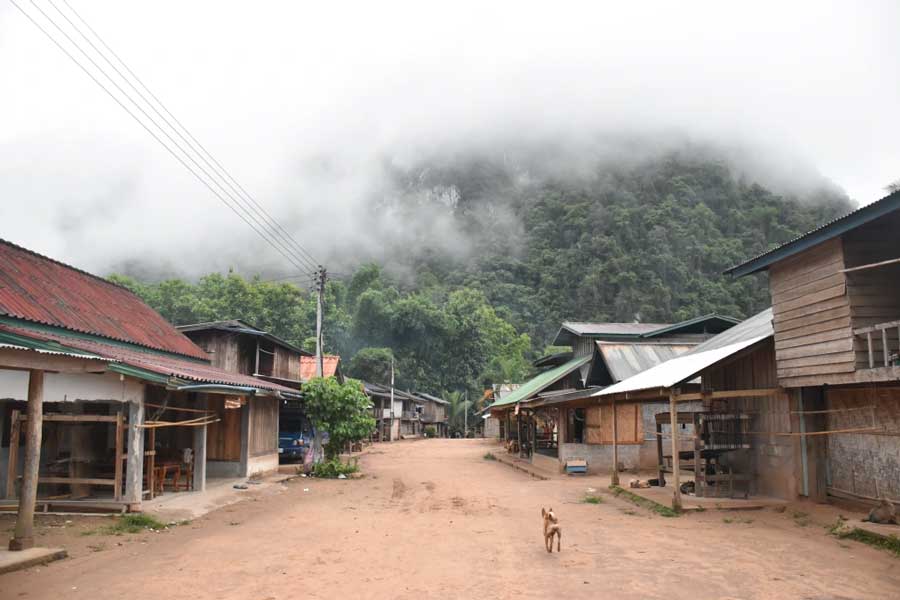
<point x="23" y="538"/>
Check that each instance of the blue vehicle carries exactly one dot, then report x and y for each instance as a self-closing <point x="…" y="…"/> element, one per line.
<point x="295" y="434"/>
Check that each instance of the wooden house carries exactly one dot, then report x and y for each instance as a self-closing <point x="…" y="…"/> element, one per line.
<point x="102" y="401"/>
<point x="733" y="424"/>
<point x="836" y="315"/>
<point x="238" y="347"/>
<point x="434" y="414"/>
<point x="552" y="416"/>
<point x="397" y="420"/>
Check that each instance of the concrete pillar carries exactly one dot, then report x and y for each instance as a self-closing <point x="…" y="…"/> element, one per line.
<point x="199" y="448"/>
<point x="23" y="538"/>
<point x="134" y="476"/>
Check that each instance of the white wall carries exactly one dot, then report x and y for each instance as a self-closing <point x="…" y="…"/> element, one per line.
<point x="69" y="387"/>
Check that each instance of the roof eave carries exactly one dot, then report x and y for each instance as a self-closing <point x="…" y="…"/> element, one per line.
<point x="837" y="228"/>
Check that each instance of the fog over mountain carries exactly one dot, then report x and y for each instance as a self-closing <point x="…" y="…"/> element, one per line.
<point x="353" y="127"/>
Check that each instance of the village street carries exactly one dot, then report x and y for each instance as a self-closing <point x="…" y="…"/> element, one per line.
<point x="434" y="519"/>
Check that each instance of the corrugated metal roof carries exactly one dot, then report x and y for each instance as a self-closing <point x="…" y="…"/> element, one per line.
<point x="163" y="364"/>
<point x="612" y="328"/>
<point x="626" y="360"/>
<point x="677" y="370"/>
<point x="39" y="289"/>
<point x="84" y="355"/>
<point x="689" y="365"/>
<point x="823" y="233"/>
<point x="308" y="366"/>
<point x="758" y="325"/>
<point x="431" y="398"/>
<point x="238" y="326"/>
<point x="541" y="381"/>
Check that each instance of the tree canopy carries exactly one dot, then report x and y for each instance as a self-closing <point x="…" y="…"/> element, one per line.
<point x="646" y="241"/>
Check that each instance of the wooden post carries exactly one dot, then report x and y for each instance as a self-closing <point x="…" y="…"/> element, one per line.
<point x="23" y="538"/>
<point x="676" y="462"/>
<point x="615" y="470"/>
<point x="134" y="479"/>
<point x="120" y="448"/>
<point x="13" y="467"/>
<point x="884" y="345"/>
<point x="869" y="346"/>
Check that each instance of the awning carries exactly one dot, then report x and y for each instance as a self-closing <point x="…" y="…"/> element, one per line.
<point x="540" y="382"/>
<point x="677" y="370"/>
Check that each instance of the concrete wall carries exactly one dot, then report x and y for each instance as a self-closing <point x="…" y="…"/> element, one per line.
<point x="258" y="465"/>
<point x="223" y="468"/>
<point x="492" y="427"/>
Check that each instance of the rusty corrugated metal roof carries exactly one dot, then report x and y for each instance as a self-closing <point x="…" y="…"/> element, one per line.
<point x="162" y="364"/>
<point x="41" y="290"/>
<point x="308" y="366"/>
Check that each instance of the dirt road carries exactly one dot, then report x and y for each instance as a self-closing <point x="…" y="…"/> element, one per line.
<point x="433" y="519"/>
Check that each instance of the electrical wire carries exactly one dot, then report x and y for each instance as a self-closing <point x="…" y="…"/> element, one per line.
<point x="191" y="140"/>
<point x="259" y="228"/>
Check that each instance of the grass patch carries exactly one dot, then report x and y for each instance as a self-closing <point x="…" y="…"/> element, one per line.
<point x="133" y="523"/>
<point x="489" y="456"/>
<point x="663" y="511"/>
<point x="331" y="469"/>
<point x="890" y="544"/>
<point x="800" y="518"/>
<point x="743" y="520"/>
<point x="591" y="499"/>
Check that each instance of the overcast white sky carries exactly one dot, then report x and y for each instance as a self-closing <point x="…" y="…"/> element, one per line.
<point x="266" y="85"/>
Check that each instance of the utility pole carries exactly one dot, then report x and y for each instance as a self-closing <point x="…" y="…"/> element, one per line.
<point x="466" y="416"/>
<point x="392" y="399"/>
<point x="320" y="295"/>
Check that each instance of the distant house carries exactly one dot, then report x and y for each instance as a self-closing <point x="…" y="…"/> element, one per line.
<point x="401" y="419"/>
<point x="434" y="414"/>
<point x="550" y="414"/>
<point x="331" y="367"/>
<point x="129" y="404"/>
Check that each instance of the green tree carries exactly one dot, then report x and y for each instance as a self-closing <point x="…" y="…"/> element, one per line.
<point x="373" y="365"/>
<point x="341" y="410"/>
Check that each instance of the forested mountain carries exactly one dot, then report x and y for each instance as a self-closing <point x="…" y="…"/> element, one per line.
<point x="525" y="250"/>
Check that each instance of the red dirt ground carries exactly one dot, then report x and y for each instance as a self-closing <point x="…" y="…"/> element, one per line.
<point x="434" y="519"/>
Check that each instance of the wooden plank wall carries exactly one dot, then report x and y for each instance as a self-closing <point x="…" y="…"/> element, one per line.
<point x="223" y="439"/>
<point x="811" y="314"/>
<point x="264" y="426"/>
<point x="599" y="423"/>
<point x="287" y="364"/>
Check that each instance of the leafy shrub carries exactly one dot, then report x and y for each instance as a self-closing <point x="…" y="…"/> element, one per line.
<point x="431" y="431"/>
<point x="489" y="456"/>
<point x="331" y="469"/>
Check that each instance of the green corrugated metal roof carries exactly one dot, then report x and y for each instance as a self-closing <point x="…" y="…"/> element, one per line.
<point x="541" y="381"/>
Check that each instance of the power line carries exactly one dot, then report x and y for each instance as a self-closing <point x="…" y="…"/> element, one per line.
<point x="158" y="126"/>
<point x="203" y="153"/>
<point x="259" y="228"/>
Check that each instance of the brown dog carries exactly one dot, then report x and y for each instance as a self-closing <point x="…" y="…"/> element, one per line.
<point x="551" y="528"/>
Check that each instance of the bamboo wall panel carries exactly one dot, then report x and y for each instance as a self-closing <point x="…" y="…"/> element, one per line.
<point x="866" y="464"/>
